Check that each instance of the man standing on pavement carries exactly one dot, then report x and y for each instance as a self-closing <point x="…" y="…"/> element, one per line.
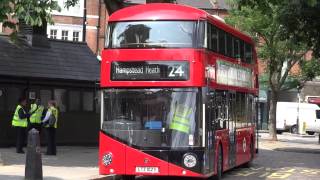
<point x="20" y="122"/>
<point x="50" y="124"/>
<point x="35" y="115"/>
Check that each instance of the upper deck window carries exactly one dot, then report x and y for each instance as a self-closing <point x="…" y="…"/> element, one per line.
<point x="152" y="34"/>
<point x="227" y="44"/>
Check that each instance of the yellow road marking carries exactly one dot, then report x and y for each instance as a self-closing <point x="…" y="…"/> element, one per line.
<point x="245" y="173"/>
<point x="279" y="175"/>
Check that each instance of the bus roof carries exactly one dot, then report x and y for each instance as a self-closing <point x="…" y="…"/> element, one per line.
<point x="168" y="11"/>
<point x="158" y="11"/>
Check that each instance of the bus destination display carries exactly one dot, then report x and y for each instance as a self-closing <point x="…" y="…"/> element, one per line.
<point x="150" y="71"/>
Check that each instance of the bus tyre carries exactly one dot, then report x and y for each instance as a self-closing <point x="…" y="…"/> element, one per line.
<point x="310" y="133"/>
<point x="279" y="131"/>
<point x="219" y="164"/>
<point x="128" y="177"/>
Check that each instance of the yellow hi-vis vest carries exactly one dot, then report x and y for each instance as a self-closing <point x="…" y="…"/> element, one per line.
<point x="181" y="119"/>
<point x="16" y="121"/>
<point x="54" y="112"/>
<point x="36" y="116"/>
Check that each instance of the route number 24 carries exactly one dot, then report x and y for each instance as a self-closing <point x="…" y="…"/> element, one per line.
<point x="176" y="71"/>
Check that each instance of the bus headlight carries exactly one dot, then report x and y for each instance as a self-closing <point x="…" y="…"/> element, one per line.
<point x="107" y="159"/>
<point x="190" y="160"/>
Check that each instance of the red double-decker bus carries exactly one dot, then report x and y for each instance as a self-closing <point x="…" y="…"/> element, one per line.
<point x="178" y="94"/>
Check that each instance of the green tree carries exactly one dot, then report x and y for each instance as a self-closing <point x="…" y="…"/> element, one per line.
<point x="300" y="19"/>
<point x="262" y="20"/>
<point x="33" y="12"/>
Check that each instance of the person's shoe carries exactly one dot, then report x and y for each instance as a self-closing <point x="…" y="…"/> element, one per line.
<point x="20" y="152"/>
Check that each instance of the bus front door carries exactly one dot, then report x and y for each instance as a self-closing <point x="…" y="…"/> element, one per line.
<point x="231" y="99"/>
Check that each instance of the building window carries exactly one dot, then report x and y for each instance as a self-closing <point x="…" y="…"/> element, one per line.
<point x="74" y="100"/>
<point x="13" y="95"/>
<point x="76" y="8"/>
<point x="87" y="104"/>
<point x="53" y="34"/>
<point x="75" y="36"/>
<point x="60" y="95"/>
<point x="64" y="35"/>
<point x="45" y="97"/>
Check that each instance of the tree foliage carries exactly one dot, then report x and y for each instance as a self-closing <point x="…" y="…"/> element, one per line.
<point x="278" y="48"/>
<point x="299" y="18"/>
<point x="33" y="12"/>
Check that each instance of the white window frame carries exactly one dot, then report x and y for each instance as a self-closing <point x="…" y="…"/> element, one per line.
<point x="69" y="27"/>
<point x="65" y="37"/>
<point x="73" y="37"/>
<point x="56" y="35"/>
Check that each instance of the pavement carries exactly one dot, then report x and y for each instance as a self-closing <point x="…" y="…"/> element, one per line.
<point x="71" y="163"/>
<point x="291" y="143"/>
<point x="291" y="157"/>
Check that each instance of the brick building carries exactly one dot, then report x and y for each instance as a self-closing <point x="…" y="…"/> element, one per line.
<point x="83" y="22"/>
<point x="87" y="19"/>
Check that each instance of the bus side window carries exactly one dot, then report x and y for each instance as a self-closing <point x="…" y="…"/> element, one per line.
<point x="214" y="38"/>
<point x="248" y="53"/>
<point x="209" y="41"/>
<point x="236" y="48"/>
<point x="242" y="51"/>
<point x="229" y="45"/>
<point x="222" y="42"/>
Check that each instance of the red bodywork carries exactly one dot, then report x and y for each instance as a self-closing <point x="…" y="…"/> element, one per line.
<point x="126" y="158"/>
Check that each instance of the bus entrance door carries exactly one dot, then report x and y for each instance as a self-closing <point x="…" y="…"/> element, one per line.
<point x="231" y="99"/>
<point x="210" y="116"/>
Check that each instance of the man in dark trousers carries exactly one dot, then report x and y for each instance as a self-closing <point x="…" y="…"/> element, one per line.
<point x="50" y="124"/>
<point x="20" y="123"/>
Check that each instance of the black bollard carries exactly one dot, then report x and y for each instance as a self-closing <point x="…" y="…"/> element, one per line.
<point x="33" y="170"/>
<point x="319" y="138"/>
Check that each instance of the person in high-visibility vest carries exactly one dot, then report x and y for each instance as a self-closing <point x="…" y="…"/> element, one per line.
<point x="182" y="119"/>
<point x="181" y="126"/>
<point x="20" y="123"/>
<point x="50" y="123"/>
<point x="36" y="111"/>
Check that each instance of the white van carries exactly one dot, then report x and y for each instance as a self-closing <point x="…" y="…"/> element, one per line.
<point x="287" y="114"/>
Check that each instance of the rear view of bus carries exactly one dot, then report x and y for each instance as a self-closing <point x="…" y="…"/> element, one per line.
<point x="158" y="85"/>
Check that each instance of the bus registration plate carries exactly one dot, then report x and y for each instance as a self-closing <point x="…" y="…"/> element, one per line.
<point x="147" y="170"/>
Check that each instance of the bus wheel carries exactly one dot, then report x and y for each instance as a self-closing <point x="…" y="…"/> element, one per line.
<point x="279" y="131"/>
<point x="294" y="129"/>
<point x="310" y="133"/>
<point x="219" y="164"/>
<point x="128" y="177"/>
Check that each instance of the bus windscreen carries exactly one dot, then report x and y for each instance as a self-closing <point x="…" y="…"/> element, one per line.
<point x="152" y="34"/>
<point x="153" y="117"/>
